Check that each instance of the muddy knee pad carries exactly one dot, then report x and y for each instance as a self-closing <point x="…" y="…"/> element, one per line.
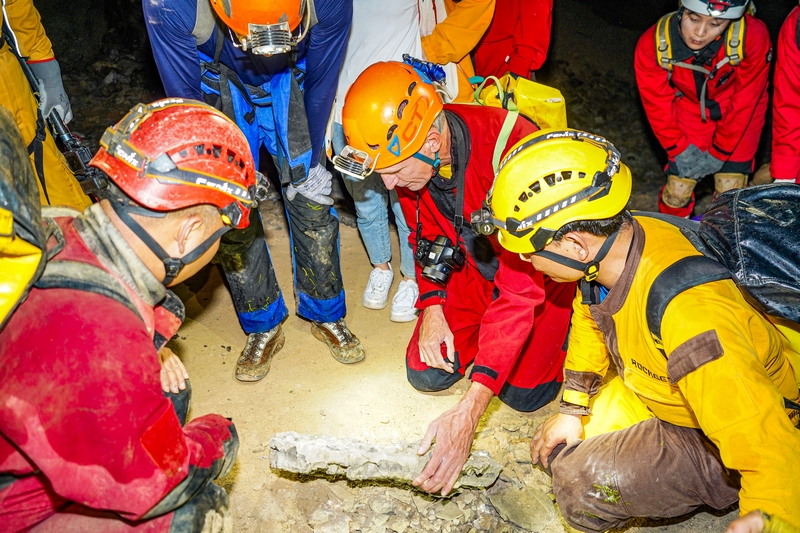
<point x="233" y="245"/>
<point x="726" y="181"/>
<point x="678" y="192"/>
<point x="762" y="176"/>
<point x="208" y="512"/>
<point x="651" y="469"/>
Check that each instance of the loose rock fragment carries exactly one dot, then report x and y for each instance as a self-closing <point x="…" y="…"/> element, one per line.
<point x="358" y="461"/>
<point x="526" y="508"/>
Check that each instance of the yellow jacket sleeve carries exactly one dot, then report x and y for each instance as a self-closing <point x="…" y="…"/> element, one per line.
<point x="26" y="25"/>
<point x="731" y="371"/>
<point x="455" y="37"/>
<point x="587" y="356"/>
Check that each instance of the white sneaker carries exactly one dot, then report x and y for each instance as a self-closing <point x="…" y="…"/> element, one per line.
<point x="403" y="309"/>
<point x="377" y="292"/>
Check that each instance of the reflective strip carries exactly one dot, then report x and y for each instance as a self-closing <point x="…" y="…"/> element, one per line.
<point x="576" y="398"/>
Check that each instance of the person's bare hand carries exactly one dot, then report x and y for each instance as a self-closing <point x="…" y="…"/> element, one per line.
<point x="173" y="373"/>
<point x="552" y="432"/>
<point x="454" y="432"/>
<point x="752" y="522"/>
<point x="434" y="331"/>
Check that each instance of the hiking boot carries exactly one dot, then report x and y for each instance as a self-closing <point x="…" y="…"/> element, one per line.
<point x="256" y="358"/>
<point x="403" y="309"/>
<point x="344" y="346"/>
<point x="377" y="292"/>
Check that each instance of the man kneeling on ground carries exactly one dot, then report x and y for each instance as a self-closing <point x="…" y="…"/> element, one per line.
<point x="480" y="305"/>
<point x="699" y="419"/>
<point x="87" y="439"/>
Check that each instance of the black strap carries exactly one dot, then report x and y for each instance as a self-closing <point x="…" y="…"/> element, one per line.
<point x="35" y="147"/>
<point x="85" y="277"/>
<point x="172" y="265"/>
<point x="684" y="274"/>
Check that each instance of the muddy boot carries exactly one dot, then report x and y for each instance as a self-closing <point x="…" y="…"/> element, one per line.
<point x="762" y="176"/>
<point x="725" y="181"/>
<point x="677" y="196"/>
<point x="256" y="358"/>
<point x="345" y="347"/>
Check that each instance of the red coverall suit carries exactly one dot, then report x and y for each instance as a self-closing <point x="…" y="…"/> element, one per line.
<point x="513" y="323"/>
<point x="86" y="435"/>
<point x="785" y="163"/>
<point x="517" y="40"/>
<point x="736" y="99"/>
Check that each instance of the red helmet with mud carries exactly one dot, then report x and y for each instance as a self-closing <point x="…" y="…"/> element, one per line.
<point x="177" y="153"/>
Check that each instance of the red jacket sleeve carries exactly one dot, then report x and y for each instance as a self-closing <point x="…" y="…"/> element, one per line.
<point x="750" y="85"/>
<point x="91" y="415"/>
<point x="657" y="96"/>
<point x="785" y="163"/>
<point x="521" y="289"/>
<point x="531" y="36"/>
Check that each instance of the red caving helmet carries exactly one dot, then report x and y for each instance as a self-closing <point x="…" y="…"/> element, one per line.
<point x="177" y="153"/>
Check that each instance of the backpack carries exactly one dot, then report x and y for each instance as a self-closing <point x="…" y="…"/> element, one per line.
<point x="26" y="228"/>
<point x="750" y="235"/>
<point x="734" y="52"/>
<point x="543" y="105"/>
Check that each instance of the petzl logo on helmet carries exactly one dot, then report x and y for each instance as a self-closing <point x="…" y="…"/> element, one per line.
<point x="394" y="146"/>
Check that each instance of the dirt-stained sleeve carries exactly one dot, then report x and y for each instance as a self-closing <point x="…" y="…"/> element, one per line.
<point x="736" y="399"/>
<point x="587" y="360"/>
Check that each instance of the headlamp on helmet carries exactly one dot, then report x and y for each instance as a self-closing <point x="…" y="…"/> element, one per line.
<point x="355" y="163"/>
<point x="724" y="9"/>
<point x="265" y="27"/>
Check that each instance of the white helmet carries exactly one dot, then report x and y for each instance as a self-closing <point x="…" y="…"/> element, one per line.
<point x="723" y="9"/>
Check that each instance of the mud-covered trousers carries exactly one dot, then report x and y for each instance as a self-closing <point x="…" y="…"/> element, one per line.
<point x="314" y="240"/>
<point x="633" y="464"/>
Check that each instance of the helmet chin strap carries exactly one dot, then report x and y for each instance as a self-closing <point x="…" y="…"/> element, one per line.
<point x="172" y="265"/>
<point x="590" y="269"/>
<point x="435" y="163"/>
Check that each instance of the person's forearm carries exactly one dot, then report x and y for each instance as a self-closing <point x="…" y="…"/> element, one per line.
<point x="476" y="400"/>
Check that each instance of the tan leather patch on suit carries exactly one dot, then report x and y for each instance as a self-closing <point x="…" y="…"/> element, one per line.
<point x="692" y="354"/>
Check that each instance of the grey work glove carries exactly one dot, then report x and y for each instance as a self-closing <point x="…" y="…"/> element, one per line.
<point x="710" y="165"/>
<point x="316" y="188"/>
<point x="690" y="163"/>
<point x="51" y="89"/>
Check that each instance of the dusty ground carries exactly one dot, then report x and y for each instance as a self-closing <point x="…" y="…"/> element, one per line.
<point x="306" y="390"/>
<point x="309" y="392"/>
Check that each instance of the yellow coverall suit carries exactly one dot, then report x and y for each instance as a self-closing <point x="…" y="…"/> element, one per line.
<point x="705" y="424"/>
<point x="454" y="38"/>
<point x="16" y="96"/>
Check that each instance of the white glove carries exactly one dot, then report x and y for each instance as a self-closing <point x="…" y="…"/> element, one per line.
<point x="51" y="89"/>
<point x="316" y="188"/>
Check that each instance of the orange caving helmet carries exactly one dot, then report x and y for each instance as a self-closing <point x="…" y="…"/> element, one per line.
<point x="264" y="26"/>
<point x="387" y="114"/>
<point x="177" y="153"/>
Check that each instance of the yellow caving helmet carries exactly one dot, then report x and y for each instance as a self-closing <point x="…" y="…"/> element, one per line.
<point x="551" y="178"/>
